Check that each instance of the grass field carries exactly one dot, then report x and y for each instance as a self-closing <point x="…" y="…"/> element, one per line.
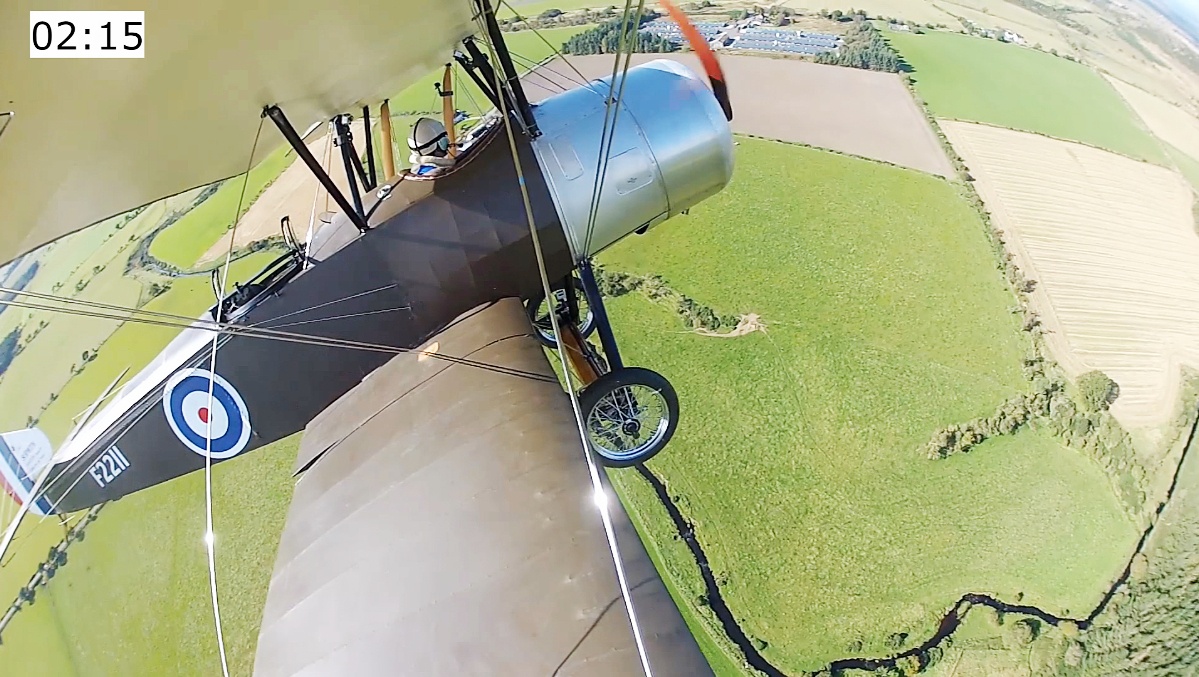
<point x="185" y="241"/>
<point x="797" y="455"/>
<point x="94" y="259"/>
<point x="977" y="80"/>
<point x="148" y="543"/>
<point x="1111" y="243"/>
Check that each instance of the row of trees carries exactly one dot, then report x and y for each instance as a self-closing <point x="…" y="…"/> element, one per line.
<point x="551" y="18"/>
<point x="693" y="313"/>
<point x="10" y="347"/>
<point x="864" y="48"/>
<point x="606" y="38"/>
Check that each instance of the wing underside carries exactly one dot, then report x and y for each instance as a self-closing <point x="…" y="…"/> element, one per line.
<point x="446" y="525"/>
<point x="96" y="137"/>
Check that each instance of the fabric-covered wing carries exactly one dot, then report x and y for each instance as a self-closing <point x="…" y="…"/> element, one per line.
<point x="446" y="526"/>
<point x="92" y="138"/>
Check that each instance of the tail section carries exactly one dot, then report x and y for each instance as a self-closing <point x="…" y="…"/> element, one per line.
<point x="24" y="454"/>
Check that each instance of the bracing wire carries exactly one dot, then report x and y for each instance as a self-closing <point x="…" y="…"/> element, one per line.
<point x="209" y="536"/>
<point x="557" y="53"/>
<point x="532" y="69"/>
<point x="458" y="77"/>
<point x="277" y="335"/>
<point x="596" y="483"/>
<point x="317" y="195"/>
<point x="628" y="29"/>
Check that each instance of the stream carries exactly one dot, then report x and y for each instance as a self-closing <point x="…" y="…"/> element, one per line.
<point x="949" y="622"/>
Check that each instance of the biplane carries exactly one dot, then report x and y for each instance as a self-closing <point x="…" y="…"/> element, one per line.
<point x="424" y="305"/>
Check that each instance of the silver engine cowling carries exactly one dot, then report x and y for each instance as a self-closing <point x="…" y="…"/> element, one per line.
<point x="671" y="149"/>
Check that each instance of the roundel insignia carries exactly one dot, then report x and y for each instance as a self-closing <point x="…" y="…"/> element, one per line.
<point x="196" y="418"/>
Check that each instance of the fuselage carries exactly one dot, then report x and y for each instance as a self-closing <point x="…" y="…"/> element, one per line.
<point x="436" y="248"/>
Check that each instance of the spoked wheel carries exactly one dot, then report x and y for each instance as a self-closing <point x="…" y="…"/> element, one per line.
<point x="629" y="415"/>
<point x="539" y="313"/>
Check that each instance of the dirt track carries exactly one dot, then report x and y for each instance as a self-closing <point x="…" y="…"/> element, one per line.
<point x="290" y="195"/>
<point x="854" y="111"/>
<point x="1111" y="244"/>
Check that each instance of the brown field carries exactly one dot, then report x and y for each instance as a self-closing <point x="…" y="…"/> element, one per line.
<point x="853" y="111"/>
<point x="291" y="194"/>
<point x="1111" y="244"/>
<point x="1168" y="122"/>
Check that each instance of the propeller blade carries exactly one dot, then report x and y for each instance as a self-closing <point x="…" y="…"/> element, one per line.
<point x="706" y="57"/>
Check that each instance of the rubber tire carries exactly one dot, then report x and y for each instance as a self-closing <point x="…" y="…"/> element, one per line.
<point x="534" y="303"/>
<point x="593" y="393"/>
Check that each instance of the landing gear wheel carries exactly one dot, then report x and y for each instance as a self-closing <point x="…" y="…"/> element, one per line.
<point x="629" y="415"/>
<point x="538" y="311"/>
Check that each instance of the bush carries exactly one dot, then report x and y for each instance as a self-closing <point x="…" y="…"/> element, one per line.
<point x="1097" y="390"/>
<point x="1022" y="632"/>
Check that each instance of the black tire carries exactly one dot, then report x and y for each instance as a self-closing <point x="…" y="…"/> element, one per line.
<point x="613" y="397"/>
<point x="541" y="324"/>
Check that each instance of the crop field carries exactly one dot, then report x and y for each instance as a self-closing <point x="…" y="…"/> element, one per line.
<point x="977" y="80"/>
<point x="184" y="242"/>
<point x="87" y="266"/>
<point x="853" y="111"/>
<point x="1169" y="122"/>
<point x="798" y="451"/>
<point x="1112" y="246"/>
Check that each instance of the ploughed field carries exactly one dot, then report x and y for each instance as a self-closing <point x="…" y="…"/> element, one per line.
<point x="1112" y="247"/>
<point x="799" y="454"/>
<point x="848" y="110"/>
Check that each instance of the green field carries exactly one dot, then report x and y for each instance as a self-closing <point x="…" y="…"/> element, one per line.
<point x="45" y="365"/>
<point x="799" y="452"/>
<point x="134" y="597"/>
<point x="185" y="241"/>
<point x="148" y="543"/>
<point x="978" y="80"/>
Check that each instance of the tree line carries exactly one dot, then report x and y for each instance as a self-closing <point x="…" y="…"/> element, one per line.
<point x="606" y="38"/>
<point x="863" y="47"/>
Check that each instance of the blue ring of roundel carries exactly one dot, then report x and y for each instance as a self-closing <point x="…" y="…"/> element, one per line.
<point x="234" y="414"/>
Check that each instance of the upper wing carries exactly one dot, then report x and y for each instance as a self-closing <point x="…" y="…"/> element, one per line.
<point x="92" y="138"/>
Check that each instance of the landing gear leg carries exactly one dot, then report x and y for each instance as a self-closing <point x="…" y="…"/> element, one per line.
<point x="629" y="413"/>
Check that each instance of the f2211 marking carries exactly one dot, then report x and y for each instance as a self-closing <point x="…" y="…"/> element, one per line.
<point x="106" y="468"/>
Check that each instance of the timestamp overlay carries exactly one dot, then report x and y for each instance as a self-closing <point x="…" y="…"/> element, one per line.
<point x="87" y="35"/>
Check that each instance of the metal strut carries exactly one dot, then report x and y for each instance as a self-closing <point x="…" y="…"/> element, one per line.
<point x="596" y="302"/>
<point x="370" y="150"/>
<point x="350" y="159"/>
<point x="297" y="144"/>
<point x="485" y="75"/>
<point x="511" y="79"/>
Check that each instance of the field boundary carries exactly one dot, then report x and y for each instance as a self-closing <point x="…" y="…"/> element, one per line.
<point x="922" y="654"/>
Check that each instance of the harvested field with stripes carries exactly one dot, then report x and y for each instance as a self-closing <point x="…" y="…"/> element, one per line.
<point x="1112" y="247"/>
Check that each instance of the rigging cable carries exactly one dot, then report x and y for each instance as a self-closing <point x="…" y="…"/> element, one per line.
<point x="583" y="79"/>
<point x="209" y="536"/>
<point x="316" y="196"/>
<point x="599" y="494"/>
<point x="627" y="29"/>
<point x="285" y="336"/>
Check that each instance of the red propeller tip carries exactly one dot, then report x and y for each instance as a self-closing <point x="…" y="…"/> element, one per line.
<point x="707" y="57"/>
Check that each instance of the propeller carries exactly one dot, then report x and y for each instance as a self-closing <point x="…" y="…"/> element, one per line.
<point x="706" y="57"/>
